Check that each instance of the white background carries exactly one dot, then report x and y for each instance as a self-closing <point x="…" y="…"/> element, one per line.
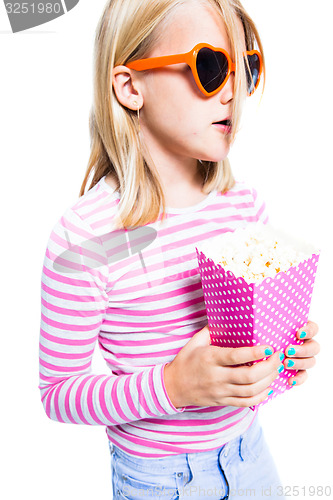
<point x="284" y="150"/>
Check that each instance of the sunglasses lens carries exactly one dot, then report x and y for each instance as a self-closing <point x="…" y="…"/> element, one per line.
<point x="212" y="68"/>
<point x="252" y="72"/>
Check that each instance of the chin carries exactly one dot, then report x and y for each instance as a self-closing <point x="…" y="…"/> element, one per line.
<point x="216" y="154"/>
<point x="215" y="158"/>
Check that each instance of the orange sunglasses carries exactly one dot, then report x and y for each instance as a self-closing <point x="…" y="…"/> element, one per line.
<point x="211" y="67"/>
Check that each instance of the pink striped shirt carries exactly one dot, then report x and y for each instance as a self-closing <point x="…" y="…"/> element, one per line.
<point x="138" y="293"/>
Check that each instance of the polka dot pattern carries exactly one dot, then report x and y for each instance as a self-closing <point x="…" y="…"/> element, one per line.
<point x="270" y="312"/>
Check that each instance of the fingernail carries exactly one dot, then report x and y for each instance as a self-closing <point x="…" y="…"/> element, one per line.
<point x="270" y="392"/>
<point x="303" y="334"/>
<point x="294" y="382"/>
<point x="281" y="356"/>
<point x="291" y="351"/>
<point x="268" y="351"/>
<point x="281" y="368"/>
<point x="290" y="363"/>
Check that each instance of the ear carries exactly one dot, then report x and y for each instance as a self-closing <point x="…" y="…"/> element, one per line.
<point x="126" y="89"/>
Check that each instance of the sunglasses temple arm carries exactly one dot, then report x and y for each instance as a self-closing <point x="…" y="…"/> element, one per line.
<point x="159" y="62"/>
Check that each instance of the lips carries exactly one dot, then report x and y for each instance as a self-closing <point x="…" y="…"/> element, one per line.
<point x="225" y="125"/>
<point x="226" y="122"/>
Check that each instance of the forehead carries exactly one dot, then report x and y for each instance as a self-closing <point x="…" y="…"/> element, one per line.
<point x="191" y="23"/>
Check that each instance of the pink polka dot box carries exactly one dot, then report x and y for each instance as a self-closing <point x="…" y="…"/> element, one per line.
<point x="251" y="307"/>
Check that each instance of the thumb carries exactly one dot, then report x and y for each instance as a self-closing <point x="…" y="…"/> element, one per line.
<point x="201" y="338"/>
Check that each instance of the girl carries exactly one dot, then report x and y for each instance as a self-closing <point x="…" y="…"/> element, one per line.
<point x="171" y="77"/>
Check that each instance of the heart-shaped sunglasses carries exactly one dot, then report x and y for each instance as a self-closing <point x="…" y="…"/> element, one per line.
<point x="211" y="67"/>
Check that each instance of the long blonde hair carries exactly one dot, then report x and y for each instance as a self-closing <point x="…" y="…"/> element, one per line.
<point x="127" y="30"/>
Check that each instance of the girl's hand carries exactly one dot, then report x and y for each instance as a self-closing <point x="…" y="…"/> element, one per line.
<point x="302" y="357"/>
<point x="205" y="375"/>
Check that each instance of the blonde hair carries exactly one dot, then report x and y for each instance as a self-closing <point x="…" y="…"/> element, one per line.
<point x="127" y="30"/>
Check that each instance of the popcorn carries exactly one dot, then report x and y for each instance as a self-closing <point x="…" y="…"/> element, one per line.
<point x="257" y="284"/>
<point x="254" y="253"/>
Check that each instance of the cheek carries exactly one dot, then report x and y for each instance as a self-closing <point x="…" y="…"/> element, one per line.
<point x="173" y="89"/>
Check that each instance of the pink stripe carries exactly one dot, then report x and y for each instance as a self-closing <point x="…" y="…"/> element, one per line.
<point x="68" y="398"/>
<point x="202" y="433"/>
<point x="159" y="354"/>
<point x="129" y="400"/>
<point x="239" y="192"/>
<point x="165" y="391"/>
<point x="80" y="268"/>
<point x="70" y="296"/>
<point x="68" y="312"/>
<point x="101" y="209"/>
<point x="90" y="399"/>
<point x="62" y="355"/>
<point x="153" y="393"/>
<point x="67" y="341"/>
<point x="56" y="402"/>
<point x="102" y="401"/>
<point x="60" y="369"/>
<point x="143" y="442"/>
<point x="166" y="295"/>
<point x="49" y="382"/>
<point x="53" y="392"/>
<point x="153" y="324"/>
<point x="141" y="343"/>
<point x="70" y="327"/>
<point x="75" y="249"/>
<point x="78" y="399"/>
<point x="259" y="214"/>
<point x="69" y="280"/>
<point x="165" y="329"/>
<point x="142" y="399"/>
<point x="114" y="399"/>
<point x="106" y="221"/>
<point x="67" y="224"/>
<point x="165" y="310"/>
<point x="90" y="201"/>
<point x="64" y="279"/>
<point x="186" y="433"/>
<point x="172" y="449"/>
<point x="197" y="422"/>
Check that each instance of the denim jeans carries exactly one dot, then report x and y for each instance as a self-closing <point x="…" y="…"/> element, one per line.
<point x="242" y="468"/>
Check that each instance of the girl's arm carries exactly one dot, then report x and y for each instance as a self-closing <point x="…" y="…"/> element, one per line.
<point x="73" y="305"/>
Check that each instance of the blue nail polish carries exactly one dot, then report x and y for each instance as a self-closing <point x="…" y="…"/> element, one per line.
<point x="290" y="363"/>
<point x="294" y="382"/>
<point x="281" y="356"/>
<point x="281" y="368"/>
<point x="303" y="334"/>
<point x="291" y="351"/>
<point x="268" y="351"/>
<point x="270" y="392"/>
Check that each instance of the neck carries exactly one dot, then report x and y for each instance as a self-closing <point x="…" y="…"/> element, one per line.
<point x="175" y="172"/>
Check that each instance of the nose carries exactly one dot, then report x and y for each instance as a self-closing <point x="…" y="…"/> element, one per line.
<point x="227" y="92"/>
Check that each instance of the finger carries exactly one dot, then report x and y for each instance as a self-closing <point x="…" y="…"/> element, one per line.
<point x="298" y="379"/>
<point x="251" y="390"/>
<point x="308" y="331"/>
<point x="249" y="401"/>
<point x="299" y="363"/>
<point x="229" y="356"/>
<point x="247" y="375"/>
<point x="308" y="349"/>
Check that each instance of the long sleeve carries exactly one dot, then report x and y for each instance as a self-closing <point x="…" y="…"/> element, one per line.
<point x="74" y="300"/>
<point x="259" y="206"/>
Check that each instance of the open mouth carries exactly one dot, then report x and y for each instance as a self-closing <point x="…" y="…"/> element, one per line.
<point x="226" y="123"/>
